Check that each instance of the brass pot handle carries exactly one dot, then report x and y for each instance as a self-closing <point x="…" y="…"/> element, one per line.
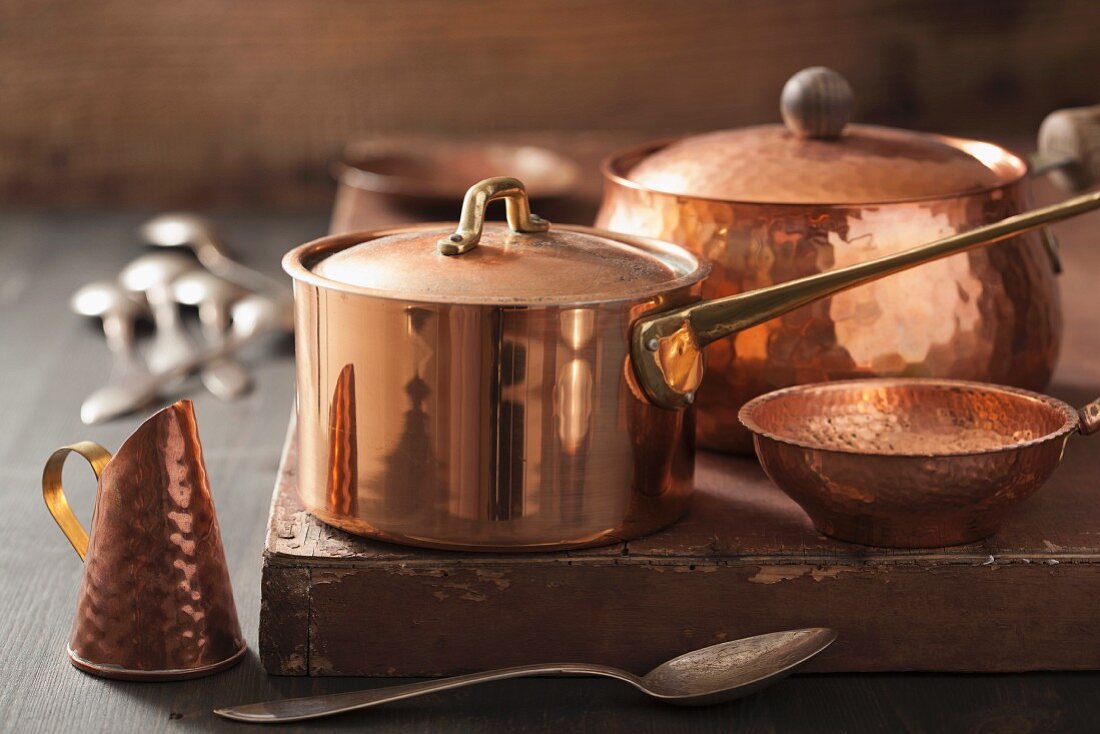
<point x="1069" y="148"/>
<point x="470" y="224"/>
<point x="54" y="493"/>
<point x="666" y="348"/>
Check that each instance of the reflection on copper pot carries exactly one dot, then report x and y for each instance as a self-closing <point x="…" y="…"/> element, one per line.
<point x="908" y="462"/>
<point x="342" y="496"/>
<point x="155" y="602"/>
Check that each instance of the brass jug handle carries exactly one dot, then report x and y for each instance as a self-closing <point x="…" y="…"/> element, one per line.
<point x="54" y="493"/>
<point x="470" y="224"/>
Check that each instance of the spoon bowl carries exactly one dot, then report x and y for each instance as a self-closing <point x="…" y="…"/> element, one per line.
<point x="103" y="297"/>
<point x="734" y="669"/>
<point x="180" y="230"/>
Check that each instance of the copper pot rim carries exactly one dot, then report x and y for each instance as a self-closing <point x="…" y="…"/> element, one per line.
<point x="350" y="171"/>
<point x="299" y="262"/>
<point x="615" y="167"/>
<point x="748" y="410"/>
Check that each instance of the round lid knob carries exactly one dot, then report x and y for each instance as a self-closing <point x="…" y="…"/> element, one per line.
<point x="816" y="103"/>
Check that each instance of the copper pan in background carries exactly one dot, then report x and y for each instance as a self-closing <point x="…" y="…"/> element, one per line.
<point x="524" y="387"/>
<point x="772" y="203"/>
<point x="427" y="176"/>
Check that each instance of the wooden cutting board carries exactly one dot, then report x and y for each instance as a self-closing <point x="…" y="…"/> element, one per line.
<point x="745" y="560"/>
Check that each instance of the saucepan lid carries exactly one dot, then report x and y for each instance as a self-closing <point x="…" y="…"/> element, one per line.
<point x="816" y="157"/>
<point x="524" y="262"/>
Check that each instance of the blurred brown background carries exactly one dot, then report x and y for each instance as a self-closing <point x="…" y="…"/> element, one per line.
<point x="217" y="104"/>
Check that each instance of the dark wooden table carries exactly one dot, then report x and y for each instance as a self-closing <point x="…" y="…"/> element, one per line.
<point x="50" y="359"/>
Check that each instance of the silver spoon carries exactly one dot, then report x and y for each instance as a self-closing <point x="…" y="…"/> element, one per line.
<point x="199" y="235"/>
<point x="118" y="310"/>
<point x="711" y="675"/>
<point x="226" y="378"/>
<point x="153" y="275"/>
<point x="253" y="316"/>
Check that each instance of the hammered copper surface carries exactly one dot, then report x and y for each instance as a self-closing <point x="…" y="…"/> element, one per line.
<point x="495" y="426"/>
<point x="990" y="314"/>
<point x="156" y="600"/>
<point x="908" y="462"/>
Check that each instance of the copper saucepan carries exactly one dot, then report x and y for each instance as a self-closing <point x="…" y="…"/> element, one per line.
<point x="504" y="388"/>
<point x="770" y="203"/>
<point x="908" y="462"/>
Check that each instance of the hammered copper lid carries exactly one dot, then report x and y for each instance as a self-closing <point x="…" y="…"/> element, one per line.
<point x="525" y="261"/>
<point x="817" y="158"/>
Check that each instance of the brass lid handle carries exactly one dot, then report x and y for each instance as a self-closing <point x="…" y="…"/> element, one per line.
<point x="470" y="224"/>
<point x="816" y="103"/>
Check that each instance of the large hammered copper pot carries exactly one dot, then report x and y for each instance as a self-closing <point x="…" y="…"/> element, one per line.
<point x="771" y="203"/>
<point x="486" y="387"/>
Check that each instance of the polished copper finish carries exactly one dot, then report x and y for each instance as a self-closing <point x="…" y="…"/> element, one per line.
<point x="484" y="399"/>
<point x="910" y="463"/>
<point x="765" y="205"/>
<point x="155" y="602"/>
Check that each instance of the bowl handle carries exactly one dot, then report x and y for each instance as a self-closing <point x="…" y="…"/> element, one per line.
<point x="1090" y="418"/>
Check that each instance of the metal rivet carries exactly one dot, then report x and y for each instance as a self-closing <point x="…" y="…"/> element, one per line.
<point x="456" y="238"/>
<point x="652" y="344"/>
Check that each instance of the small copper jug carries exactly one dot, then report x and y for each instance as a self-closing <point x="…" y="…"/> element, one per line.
<point x="155" y="602"/>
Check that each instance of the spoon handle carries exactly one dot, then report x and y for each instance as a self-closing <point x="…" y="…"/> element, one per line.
<point x="315" y="707"/>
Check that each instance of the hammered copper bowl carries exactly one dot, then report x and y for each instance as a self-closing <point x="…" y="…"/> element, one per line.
<point x="911" y="463"/>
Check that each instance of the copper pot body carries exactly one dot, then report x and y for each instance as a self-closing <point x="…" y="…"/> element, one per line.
<point x="990" y="314"/>
<point x="481" y="427"/>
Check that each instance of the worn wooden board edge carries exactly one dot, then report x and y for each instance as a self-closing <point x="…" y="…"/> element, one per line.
<point x="408" y="621"/>
<point x="284" y="620"/>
